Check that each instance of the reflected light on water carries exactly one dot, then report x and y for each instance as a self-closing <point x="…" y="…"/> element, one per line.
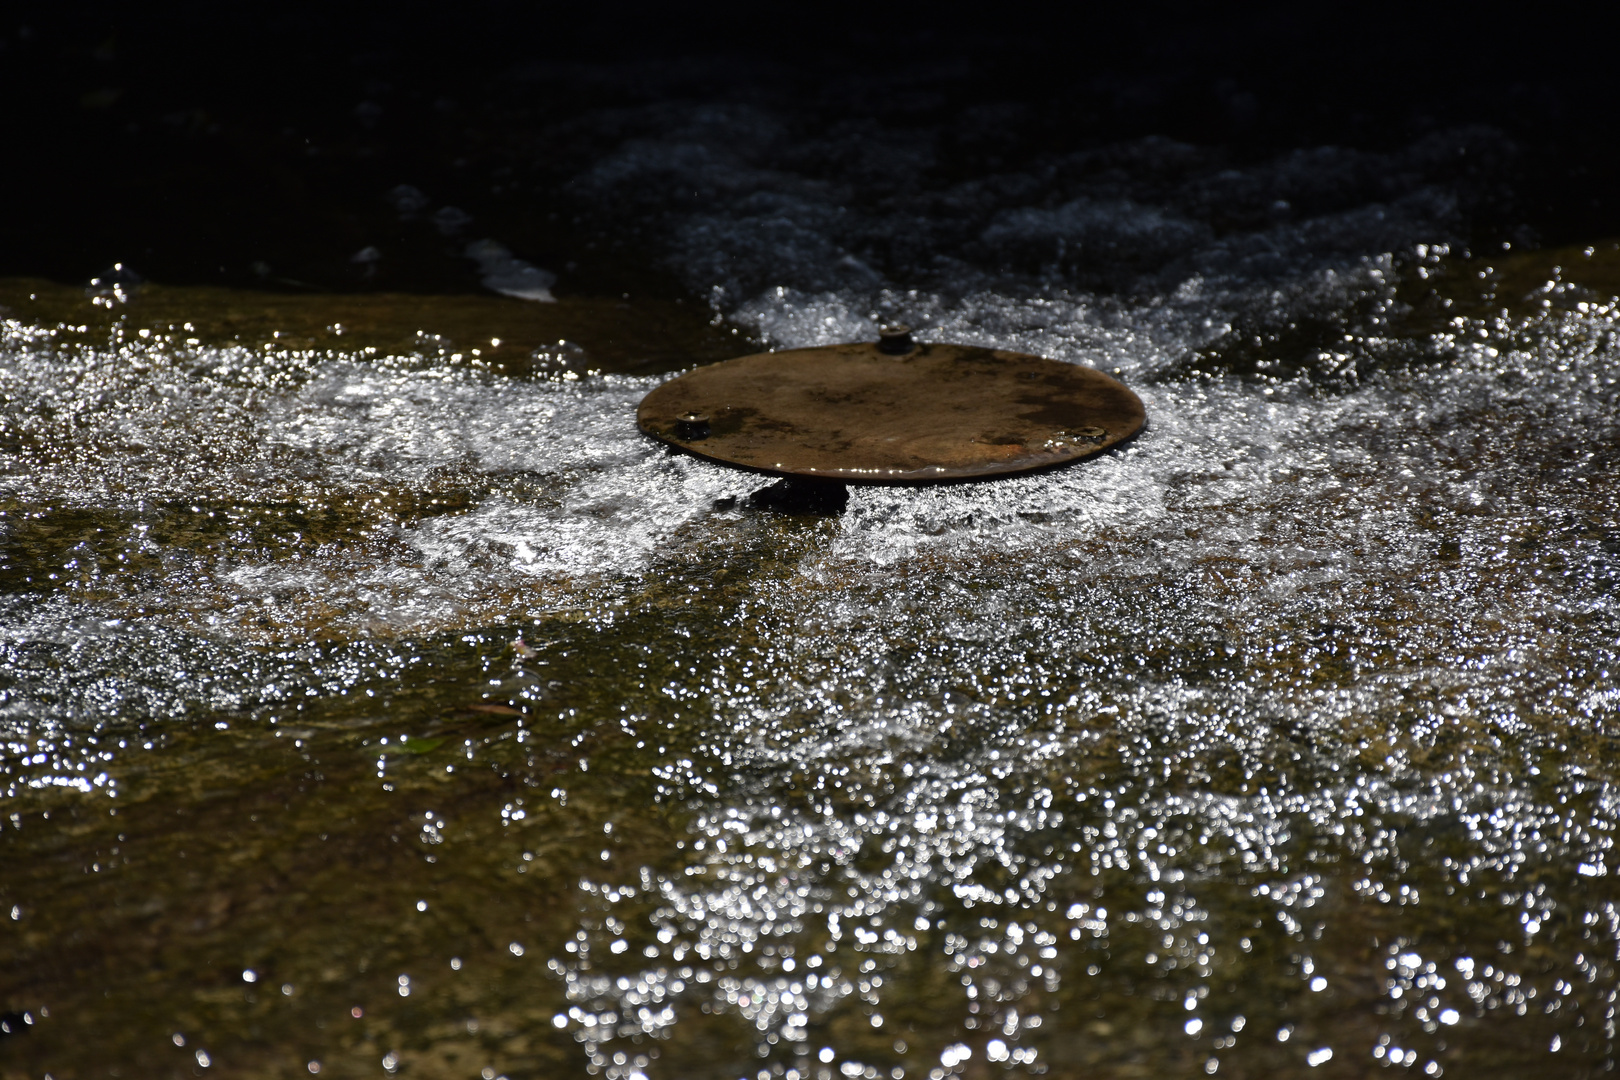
<point x="1280" y="740"/>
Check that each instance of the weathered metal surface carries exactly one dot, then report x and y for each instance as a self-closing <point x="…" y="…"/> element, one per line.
<point x="857" y="414"/>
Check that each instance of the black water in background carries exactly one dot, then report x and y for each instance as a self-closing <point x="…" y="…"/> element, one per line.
<point x="375" y="700"/>
<point x="251" y="145"/>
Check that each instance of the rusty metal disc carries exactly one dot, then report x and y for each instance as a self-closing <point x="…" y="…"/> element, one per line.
<point x="894" y="413"/>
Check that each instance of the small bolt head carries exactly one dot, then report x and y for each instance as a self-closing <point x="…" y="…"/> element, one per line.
<point x="692" y="425"/>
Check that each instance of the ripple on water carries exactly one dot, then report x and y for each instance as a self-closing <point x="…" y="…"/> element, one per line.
<point x="1282" y="736"/>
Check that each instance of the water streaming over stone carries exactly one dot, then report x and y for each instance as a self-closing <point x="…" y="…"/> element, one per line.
<point x="373" y="710"/>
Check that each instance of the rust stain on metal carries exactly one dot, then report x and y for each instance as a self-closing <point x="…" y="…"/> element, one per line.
<point x="857" y="414"/>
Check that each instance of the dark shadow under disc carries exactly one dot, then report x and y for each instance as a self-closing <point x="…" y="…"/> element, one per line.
<point x="856" y="414"/>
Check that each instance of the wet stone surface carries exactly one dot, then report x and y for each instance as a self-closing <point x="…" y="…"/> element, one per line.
<point x="390" y="705"/>
<point x="1289" y="729"/>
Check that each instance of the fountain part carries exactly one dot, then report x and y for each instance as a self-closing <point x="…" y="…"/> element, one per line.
<point x="892" y="412"/>
<point x="895" y="340"/>
<point x="692" y="426"/>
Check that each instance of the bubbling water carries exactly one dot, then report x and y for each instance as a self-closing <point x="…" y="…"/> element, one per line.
<point x="1280" y="737"/>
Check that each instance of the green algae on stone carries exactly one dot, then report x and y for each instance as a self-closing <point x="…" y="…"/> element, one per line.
<point x="1291" y="752"/>
<point x="491" y="333"/>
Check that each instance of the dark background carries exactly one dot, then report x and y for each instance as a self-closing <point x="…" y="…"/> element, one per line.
<point x="247" y="145"/>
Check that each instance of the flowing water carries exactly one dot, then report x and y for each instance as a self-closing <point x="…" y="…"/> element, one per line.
<point x="377" y="701"/>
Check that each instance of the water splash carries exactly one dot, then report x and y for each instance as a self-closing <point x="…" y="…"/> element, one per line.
<point x="1144" y="757"/>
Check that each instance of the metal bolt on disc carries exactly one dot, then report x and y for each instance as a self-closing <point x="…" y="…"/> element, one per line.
<point x="897" y="412"/>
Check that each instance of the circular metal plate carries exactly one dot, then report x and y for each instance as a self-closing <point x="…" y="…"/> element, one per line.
<point x="856" y="414"/>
